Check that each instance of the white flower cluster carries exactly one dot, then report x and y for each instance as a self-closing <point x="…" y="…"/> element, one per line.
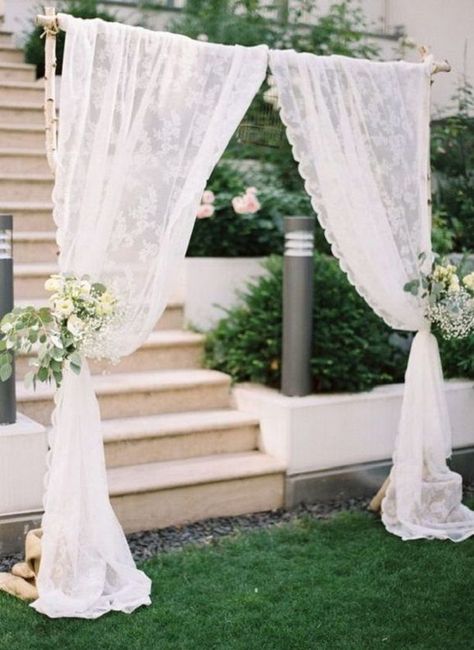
<point x="76" y="325"/>
<point x="81" y="307"/>
<point x="450" y="301"/>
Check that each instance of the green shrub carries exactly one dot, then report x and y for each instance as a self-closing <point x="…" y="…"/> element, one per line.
<point x="452" y="158"/>
<point x="353" y="348"/>
<point x="458" y="357"/>
<point x="34" y="46"/>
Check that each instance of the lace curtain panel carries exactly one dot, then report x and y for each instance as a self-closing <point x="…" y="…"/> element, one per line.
<point x="145" y="116"/>
<point x="360" y="133"/>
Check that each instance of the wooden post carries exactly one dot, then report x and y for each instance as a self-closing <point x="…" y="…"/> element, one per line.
<point x="50" y="26"/>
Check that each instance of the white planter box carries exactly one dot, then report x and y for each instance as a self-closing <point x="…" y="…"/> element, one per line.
<point x="208" y="285"/>
<point x="23" y="449"/>
<point x="320" y="432"/>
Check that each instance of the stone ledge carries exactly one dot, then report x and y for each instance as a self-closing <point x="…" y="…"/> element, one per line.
<point x="361" y="480"/>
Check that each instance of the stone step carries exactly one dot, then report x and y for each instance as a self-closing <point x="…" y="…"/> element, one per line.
<point x="134" y="441"/>
<point x="156" y="495"/>
<point x="6" y="39"/>
<point x="30" y="278"/>
<point x="15" y="187"/>
<point x="172" y="318"/>
<point x="17" y="72"/>
<point x="10" y="54"/>
<point x="22" y="91"/>
<point x="21" y="136"/>
<point x="163" y="350"/>
<point x="23" y="161"/>
<point x="23" y="113"/>
<point x="29" y="216"/>
<point x="34" y="247"/>
<point x="124" y="395"/>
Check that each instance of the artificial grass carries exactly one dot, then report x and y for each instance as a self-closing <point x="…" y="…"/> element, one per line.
<point x="339" y="584"/>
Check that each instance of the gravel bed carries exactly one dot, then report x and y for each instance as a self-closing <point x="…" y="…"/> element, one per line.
<point x="145" y="545"/>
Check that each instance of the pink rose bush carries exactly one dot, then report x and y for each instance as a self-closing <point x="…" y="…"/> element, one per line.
<point x="246" y="203"/>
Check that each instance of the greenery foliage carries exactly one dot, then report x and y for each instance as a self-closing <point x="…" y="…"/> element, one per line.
<point x="353" y="349"/>
<point x="452" y="157"/>
<point x="34" y="46"/>
<point x="339" y="584"/>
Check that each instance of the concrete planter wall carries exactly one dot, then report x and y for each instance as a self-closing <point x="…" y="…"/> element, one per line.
<point x="209" y="285"/>
<point x="344" y="442"/>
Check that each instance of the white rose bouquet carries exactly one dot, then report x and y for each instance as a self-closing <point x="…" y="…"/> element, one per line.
<point x="450" y="298"/>
<point x="74" y="326"/>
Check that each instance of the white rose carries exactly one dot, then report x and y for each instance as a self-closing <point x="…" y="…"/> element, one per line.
<point x="63" y="307"/>
<point x="84" y="289"/>
<point x="75" y="325"/>
<point x="468" y="281"/>
<point x="106" y="304"/>
<point x="454" y="285"/>
<point x="53" y="284"/>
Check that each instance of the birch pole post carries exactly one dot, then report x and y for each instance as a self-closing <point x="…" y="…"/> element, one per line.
<point x="50" y="26"/>
<point x="438" y="66"/>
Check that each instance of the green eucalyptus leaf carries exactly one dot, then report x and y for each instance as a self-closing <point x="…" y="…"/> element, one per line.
<point x="5" y="371"/>
<point x="43" y="373"/>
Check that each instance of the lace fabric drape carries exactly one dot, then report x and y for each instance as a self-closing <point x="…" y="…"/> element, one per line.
<point x="360" y="133"/>
<point x="145" y="117"/>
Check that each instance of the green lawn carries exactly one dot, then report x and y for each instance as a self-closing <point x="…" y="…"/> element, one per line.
<point x="338" y="584"/>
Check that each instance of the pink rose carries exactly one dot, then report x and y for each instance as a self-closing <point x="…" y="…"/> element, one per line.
<point x="208" y="197"/>
<point x="205" y="210"/>
<point x="251" y="190"/>
<point x="253" y="204"/>
<point x="246" y="204"/>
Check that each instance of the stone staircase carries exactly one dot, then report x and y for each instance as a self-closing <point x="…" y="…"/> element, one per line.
<point x="176" y="450"/>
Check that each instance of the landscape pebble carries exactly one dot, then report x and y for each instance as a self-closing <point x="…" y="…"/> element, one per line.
<point x="146" y="544"/>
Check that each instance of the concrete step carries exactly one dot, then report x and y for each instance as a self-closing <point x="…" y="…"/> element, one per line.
<point x="136" y="394"/>
<point x="23" y="161"/>
<point x="134" y="441"/>
<point x="30" y="278"/>
<point x="21" y="113"/>
<point x="34" y="247"/>
<point x="163" y="350"/>
<point x="10" y="54"/>
<point x="22" y="91"/>
<point x="172" y="318"/>
<point x="174" y="492"/>
<point x="36" y="187"/>
<point x="29" y="216"/>
<point x="6" y="39"/>
<point x="21" y="136"/>
<point x="17" y="72"/>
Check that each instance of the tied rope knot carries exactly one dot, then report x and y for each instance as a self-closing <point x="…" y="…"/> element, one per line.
<point x="51" y="30"/>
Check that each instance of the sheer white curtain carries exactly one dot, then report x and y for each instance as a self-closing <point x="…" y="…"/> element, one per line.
<point x="360" y="132"/>
<point x="145" y="116"/>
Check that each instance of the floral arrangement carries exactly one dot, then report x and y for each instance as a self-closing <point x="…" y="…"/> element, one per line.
<point x="247" y="203"/>
<point x="74" y="326"/>
<point x="450" y="298"/>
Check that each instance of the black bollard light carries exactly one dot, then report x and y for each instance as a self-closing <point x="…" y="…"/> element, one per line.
<point x="298" y="285"/>
<point x="7" y="388"/>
